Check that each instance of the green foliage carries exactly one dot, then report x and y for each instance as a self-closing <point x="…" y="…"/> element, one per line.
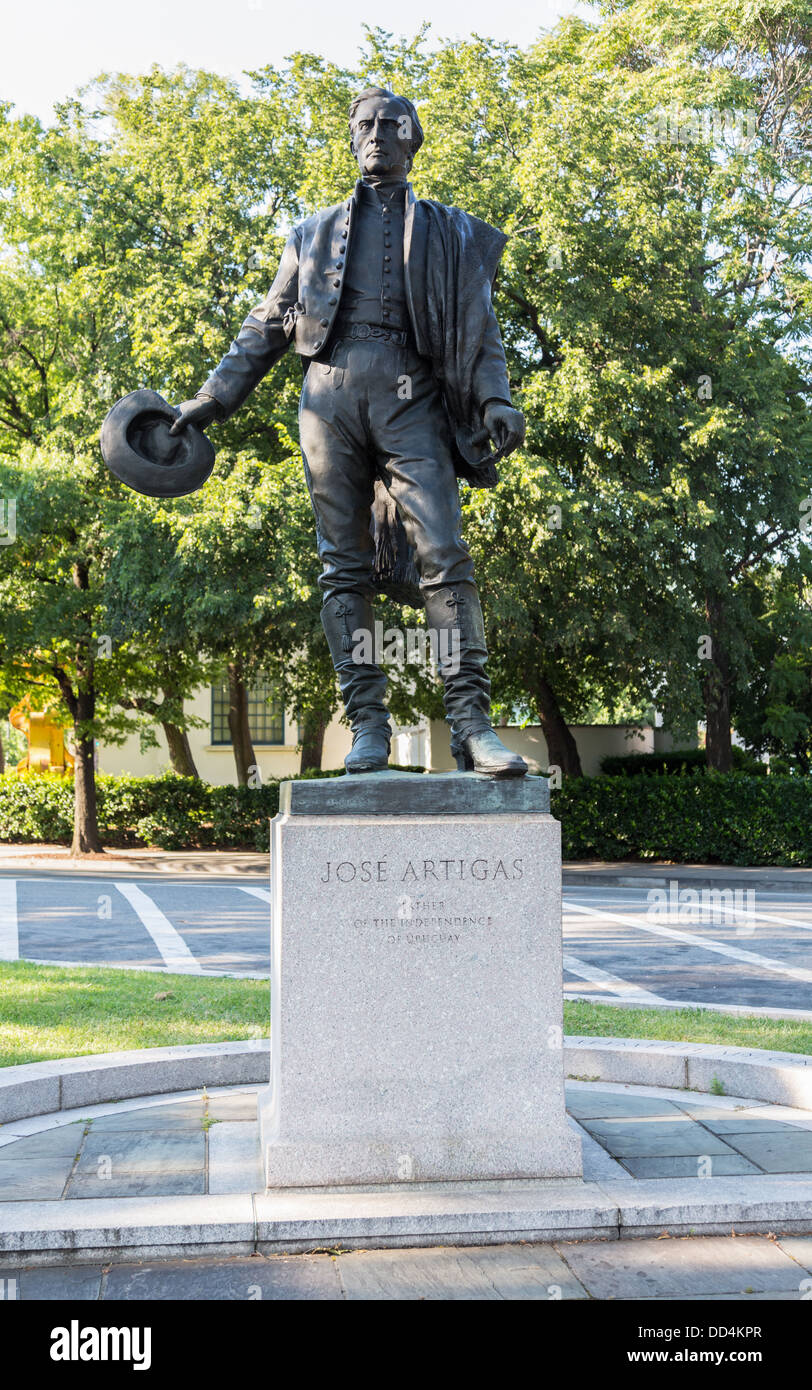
<point x="723" y="818"/>
<point x="774" y="713"/>
<point x="691" y="761"/>
<point x="166" y="812"/>
<point x="36" y="807"/>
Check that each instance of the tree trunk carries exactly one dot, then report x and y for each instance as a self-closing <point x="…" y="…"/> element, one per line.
<point x="716" y="687"/>
<point x="562" y="750"/>
<point x="238" y="726"/>
<point x="180" y="752"/>
<point x="718" y="741"/>
<point x="314" y="726"/>
<point x="86" y="839"/>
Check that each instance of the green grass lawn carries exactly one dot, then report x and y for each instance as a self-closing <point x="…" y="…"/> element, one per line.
<point x="51" y="1011"/>
<point x="61" y="1011"/>
<point x="688" y="1025"/>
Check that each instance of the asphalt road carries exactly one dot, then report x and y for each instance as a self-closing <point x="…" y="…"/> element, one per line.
<point x="751" y="950"/>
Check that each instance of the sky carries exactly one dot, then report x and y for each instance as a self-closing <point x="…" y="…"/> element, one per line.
<point x="51" y="47"/>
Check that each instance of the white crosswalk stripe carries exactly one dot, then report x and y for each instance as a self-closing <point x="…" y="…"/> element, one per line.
<point x="261" y="893"/>
<point x="170" y="943"/>
<point x="9" y="934"/>
<point x="596" y="976"/>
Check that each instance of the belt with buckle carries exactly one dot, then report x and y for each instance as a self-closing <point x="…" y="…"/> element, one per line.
<point x="378" y="331"/>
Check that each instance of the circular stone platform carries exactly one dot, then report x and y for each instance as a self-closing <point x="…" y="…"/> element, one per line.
<point x="180" y="1175"/>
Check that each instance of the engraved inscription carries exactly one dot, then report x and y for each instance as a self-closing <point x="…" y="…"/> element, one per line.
<point x="421" y="919"/>
<point x="423" y="870"/>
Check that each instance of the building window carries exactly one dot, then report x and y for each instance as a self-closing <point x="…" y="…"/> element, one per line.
<point x="266" y="717"/>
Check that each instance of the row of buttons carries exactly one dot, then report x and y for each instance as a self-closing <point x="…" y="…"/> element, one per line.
<point x="325" y="323"/>
<point x="387" y="241"/>
<point x="387" y="259"/>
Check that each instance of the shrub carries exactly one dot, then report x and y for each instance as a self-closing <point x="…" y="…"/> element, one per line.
<point x="689" y="761"/>
<point x="36" y="806"/>
<point x="724" y="818"/>
<point x="167" y="812"/>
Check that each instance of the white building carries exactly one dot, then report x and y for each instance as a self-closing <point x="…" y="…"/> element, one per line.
<point x="276" y="742"/>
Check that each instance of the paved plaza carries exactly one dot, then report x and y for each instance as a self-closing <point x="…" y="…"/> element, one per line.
<point x="209" y="1144"/>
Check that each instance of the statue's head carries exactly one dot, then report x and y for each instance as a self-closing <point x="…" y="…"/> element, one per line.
<point x="385" y="133"/>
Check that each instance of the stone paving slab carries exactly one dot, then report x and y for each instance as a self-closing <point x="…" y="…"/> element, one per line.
<point x="707" y="1166"/>
<point x="185" y="1116"/>
<point x="776" y="1153"/>
<point x="599" y="1105"/>
<point x="80" y="1283"/>
<point x="740" y="1121"/>
<point x="632" y="1139"/>
<point x="240" y="1106"/>
<point x="141" y="1163"/>
<point x="799" y="1248"/>
<point x="498" y="1272"/>
<point x="682" y="1268"/>
<point x="45" y="1183"/>
<point x="64" y="1141"/>
<point x="428" y="1274"/>
<point x="234" y="1157"/>
<point x="282" y="1279"/>
<point x="525" y="1271"/>
<point x="148" y="1182"/>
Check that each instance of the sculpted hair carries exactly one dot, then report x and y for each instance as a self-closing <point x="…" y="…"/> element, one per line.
<point x="409" y="109"/>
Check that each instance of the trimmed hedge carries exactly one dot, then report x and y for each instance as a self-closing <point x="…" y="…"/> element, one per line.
<point x="685" y="761"/>
<point x="723" y="818"/>
<point x="166" y="812"/>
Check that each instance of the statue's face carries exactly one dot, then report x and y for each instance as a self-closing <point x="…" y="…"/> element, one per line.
<point x="381" y="138"/>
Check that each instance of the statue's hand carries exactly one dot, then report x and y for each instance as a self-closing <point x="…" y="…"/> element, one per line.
<point x="504" y="425"/>
<point x="201" y="411"/>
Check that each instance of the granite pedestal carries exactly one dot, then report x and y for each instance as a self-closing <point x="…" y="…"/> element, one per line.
<point x="416" y="996"/>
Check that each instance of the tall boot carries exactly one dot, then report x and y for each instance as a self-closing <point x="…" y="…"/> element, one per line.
<point x="362" y="684"/>
<point x="454" y="616"/>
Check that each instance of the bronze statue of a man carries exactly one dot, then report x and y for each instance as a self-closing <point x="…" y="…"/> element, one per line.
<point x="387" y="300"/>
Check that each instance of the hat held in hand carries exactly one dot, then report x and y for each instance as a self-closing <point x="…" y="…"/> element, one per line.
<point x="136" y="445"/>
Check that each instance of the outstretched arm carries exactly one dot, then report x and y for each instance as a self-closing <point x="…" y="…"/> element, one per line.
<point x="261" y="341"/>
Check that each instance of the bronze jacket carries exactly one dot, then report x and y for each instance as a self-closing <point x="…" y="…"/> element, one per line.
<point x="450" y="260"/>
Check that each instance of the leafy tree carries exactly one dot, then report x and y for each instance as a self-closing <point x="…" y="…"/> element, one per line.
<point x="54" y="640"/>
<point x="655" y="302"/>
<point x="774" y="714"/>
<point x="129" y="257"/>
